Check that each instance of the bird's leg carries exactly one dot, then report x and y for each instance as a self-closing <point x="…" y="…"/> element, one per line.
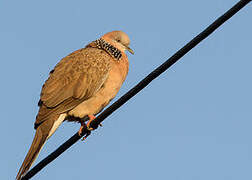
<point x="91" y="118"/>
<point x="87" y="126"/>
<point x="83" y="125"/>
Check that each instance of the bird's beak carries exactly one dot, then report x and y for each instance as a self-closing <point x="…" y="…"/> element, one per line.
<point x="130" y="50"/>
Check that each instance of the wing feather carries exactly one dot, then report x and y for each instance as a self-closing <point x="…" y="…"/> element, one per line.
<point x="78" y="75"/>
<point x="74" y="79"/>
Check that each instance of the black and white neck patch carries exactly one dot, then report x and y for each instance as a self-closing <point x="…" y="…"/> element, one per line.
<point x="113" y="51"/>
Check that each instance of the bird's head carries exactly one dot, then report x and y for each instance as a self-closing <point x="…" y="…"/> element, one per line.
<point x="119" y="39"/>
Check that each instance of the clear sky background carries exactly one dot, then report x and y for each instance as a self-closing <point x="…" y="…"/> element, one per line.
<point x="192" y="123"/>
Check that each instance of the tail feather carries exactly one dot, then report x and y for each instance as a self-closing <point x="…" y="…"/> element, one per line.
<point x="36" y="146"/>
<point x="43" y="132"/>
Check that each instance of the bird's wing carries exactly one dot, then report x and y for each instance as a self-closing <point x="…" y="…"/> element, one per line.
<point x="75" y="78"/>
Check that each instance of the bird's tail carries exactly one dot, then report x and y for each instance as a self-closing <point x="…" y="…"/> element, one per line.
<point x="36" y="146"/>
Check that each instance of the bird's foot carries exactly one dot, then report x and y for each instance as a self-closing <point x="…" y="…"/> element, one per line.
<point x="91" y="118"/>
<point x="86" y="126"/>
<point x="83" y="126"/>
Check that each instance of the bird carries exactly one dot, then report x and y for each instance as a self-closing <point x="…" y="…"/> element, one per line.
<point x="78" y="88"/>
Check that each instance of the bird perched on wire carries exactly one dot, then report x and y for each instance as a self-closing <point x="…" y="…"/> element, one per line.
<point x="79" y="87"/>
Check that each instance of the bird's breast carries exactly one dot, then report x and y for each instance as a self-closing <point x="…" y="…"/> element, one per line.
<point x="106" y="93"/>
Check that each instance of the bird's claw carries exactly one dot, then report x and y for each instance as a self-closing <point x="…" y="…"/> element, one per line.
<point x="91" y="118"/>
<point x="87" y="126"/>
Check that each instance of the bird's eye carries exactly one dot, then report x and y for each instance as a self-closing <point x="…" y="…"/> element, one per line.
<point x="118" y="40"/>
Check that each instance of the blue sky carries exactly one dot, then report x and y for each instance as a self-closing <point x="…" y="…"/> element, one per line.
<point x="193" y="122"/>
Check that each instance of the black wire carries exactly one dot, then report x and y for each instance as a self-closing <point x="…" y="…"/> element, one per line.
<point x="142" y="84"/>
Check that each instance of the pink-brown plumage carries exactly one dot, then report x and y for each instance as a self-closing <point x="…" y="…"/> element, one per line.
<point x="80" y="85"/>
